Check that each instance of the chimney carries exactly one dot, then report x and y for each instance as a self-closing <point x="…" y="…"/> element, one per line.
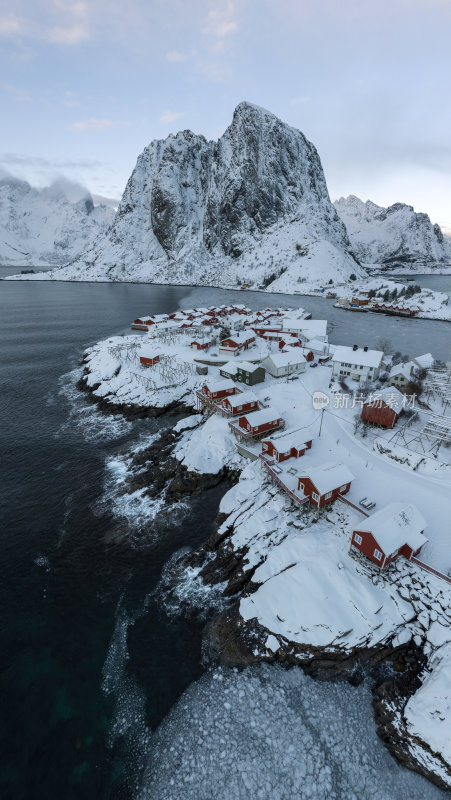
<point x="355" y="347"/>
<point x="365" y="349"/>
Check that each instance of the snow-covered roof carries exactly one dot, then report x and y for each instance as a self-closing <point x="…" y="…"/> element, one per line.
<point x="285" y="441"/>
<point x="285" y="359"/>
<point x="390" y="396"/>
<point x="242" y="398"/>
<point x="231" y="367"/>
<point x="262" y="416"/>
<point x="395" y="525"/>
<point x="239" y="337"/>
<point x="219" y="386"/>
<point x="367" y="358"/>
<point x="248" y="366"/>
<point x="312" y="328"/>
<point x="329" y="476"/>
<point x="402" y="369"/>
<point x="426" y="361"/>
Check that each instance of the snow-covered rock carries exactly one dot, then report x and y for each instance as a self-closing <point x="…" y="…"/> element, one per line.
<point x="250" y="206"/>
<point x="395" y="237"/>
<point x="40" y="227"/>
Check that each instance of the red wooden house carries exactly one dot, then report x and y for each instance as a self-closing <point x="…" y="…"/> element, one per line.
<point x="149" y="360"/>
<point x="287" y="445"/>
<point x="323" y="484"/>
<point x="236" y="342"/>
<point x="147" y="319"/>
<point x="201" y="344"/>
<point x="219" y="389"/>
<point x="240" y="403"/>
<point x="258" y="422"/>
<point x="396" y="530"/>
<point x="383" y="408"/>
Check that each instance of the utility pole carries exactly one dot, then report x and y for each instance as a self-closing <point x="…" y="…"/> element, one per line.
<point x="321" y="423"/>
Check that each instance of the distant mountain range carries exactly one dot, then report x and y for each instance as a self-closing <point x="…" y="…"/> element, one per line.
<point x="41" y="227"/>
<point x="251" y="207"/>
<point x="396" y="237"/>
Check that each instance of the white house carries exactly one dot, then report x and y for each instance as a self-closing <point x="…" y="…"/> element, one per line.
<point x="306" y="328"/>
<point x="280" y="364"/>
<point x="357" y="363"/>
<point x="401" y="375"/>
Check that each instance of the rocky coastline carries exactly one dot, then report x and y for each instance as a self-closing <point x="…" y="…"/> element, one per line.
<point x="236" y="642"/>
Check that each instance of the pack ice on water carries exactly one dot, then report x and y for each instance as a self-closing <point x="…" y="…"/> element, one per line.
<point x="267" y="733"/>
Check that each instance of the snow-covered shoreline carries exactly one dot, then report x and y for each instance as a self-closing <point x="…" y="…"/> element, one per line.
<point x="296" y="593"/>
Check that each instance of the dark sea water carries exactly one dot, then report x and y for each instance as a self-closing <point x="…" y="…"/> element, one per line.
<point x="90" y="661"/>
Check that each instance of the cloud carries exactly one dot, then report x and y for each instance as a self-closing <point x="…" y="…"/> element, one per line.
<point x="91" y="124"/>
<point x="73" y="34"/>
<point x="170" y="116"/>
<point x="10" y="26"/>
<point x="222" y="21"/>
<point x="173" y="56"/>
<point x="20" y="160"/>
<point x="70" y="100"/>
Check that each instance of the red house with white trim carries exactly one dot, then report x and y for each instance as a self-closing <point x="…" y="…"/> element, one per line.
<point x="258" y="422"/>
<point x="201" y="344"/>
<point x="396" y="530"/>
<point x="325" y="483"/>
<point x="233" y="344"/>
<point x="147" y="319"/>
<point x="287" y="445"/>
<point x="219" y="389"/>
<point x="149" y="360"/>
<point x="383" y="408"/>
<point x="240" y="403"/>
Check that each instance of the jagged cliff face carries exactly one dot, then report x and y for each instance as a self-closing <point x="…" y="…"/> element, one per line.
<point x="253" y="204"/>
<point x="393" y="237"/>
<point x="42" y="227"/>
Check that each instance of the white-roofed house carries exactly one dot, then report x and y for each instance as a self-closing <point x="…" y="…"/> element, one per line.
<point x="216" y="390"/>
<point x="281" y="364"/>
<point x="323" y="484"/>
<point x="256" y="423"/>
<point x="426" y="361"/>
<point x="240" y="403"/>
<point x="403" y="375"/>
<point x="229" y="369"/>
<point x="291" y="444"/>
<point x="384" y="407"/>
<point x="396" y="530"/>
<point x="357" y="363"/>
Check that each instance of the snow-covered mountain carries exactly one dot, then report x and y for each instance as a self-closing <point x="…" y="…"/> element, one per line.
<point x="47" y="226"/>
<point x="396" y="237"/>
<point x="252" y="206"/>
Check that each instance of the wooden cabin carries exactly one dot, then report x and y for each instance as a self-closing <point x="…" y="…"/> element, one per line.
<point x="259" y="422"/>
<point x="236" y="342"/>
<point x="396" y="530"/>
<point x="287" y="445"/>
<point x="201" y="344"/>
<point x="218" y="389"/>
<point x="384" y="408"/>
<point x="240" y="403"/>
<point x="149" y="360"/>
<point x="323" y="484"/>
<point x="250" y="373"/>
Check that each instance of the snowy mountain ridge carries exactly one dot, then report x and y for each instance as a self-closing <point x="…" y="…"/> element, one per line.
<point x="50" y="226"/>
<point x="252" y="206"/>
<point x="396" y="237"/>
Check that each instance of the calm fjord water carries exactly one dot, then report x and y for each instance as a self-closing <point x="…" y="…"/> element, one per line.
<point x="76" y="596"/>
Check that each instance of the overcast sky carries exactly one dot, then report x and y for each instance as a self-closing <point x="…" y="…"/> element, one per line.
<point x="86" y="85"/>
